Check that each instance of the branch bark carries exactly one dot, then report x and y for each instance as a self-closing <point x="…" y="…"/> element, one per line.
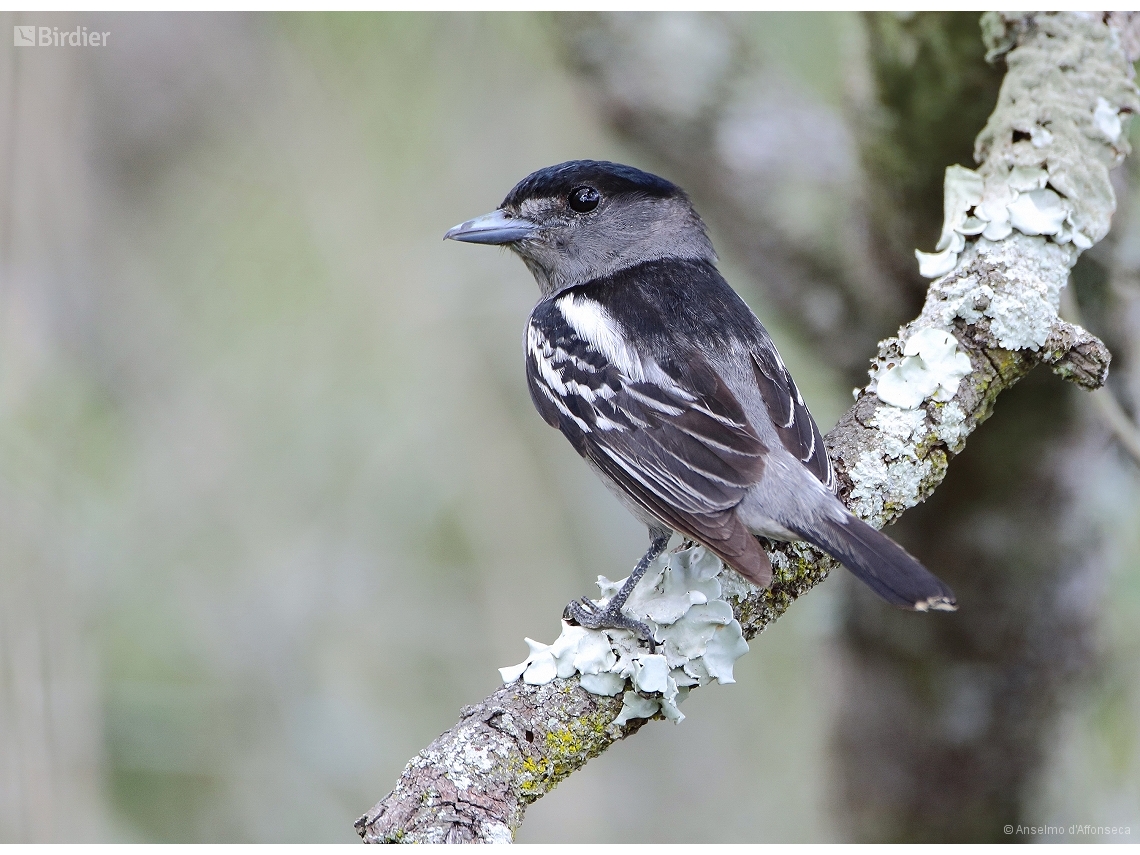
<point x="1000" y="303"/>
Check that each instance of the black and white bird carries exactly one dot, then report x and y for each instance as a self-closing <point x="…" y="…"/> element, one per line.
<point x="668" y="385"/>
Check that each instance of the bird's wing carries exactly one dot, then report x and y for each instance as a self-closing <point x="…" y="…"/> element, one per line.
<point x="675" y="439"/>
<point x="797" y="430"/>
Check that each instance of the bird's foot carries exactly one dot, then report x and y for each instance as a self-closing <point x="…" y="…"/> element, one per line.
<point x="587" y="613"/>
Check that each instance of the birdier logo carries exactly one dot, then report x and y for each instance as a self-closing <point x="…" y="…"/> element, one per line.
<point x="29" y="35"/>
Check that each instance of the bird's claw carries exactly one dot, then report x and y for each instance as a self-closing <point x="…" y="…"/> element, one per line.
<point x="585" y="612"/>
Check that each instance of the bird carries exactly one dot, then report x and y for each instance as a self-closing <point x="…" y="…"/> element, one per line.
<point x="667" y="384"/>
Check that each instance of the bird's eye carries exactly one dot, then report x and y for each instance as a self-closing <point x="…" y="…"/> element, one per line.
<point x="584" y="199"/>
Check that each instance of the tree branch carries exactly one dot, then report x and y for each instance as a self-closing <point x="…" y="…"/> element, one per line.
<point x="1000" y="303"/>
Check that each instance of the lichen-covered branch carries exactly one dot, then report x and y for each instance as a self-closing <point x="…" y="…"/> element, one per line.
<point x="998" y="301"/>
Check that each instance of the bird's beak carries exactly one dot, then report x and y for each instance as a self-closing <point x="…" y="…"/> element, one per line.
<point x="497" y="227"/>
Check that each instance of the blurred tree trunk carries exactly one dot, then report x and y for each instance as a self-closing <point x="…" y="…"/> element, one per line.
<point x="943" y="724"/>
<point x="51" y="775"/>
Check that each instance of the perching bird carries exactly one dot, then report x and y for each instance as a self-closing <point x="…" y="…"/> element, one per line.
<point x="668" y="385"/>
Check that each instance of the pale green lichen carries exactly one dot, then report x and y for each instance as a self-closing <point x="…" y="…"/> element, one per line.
<point x="897" y="472"/>
<point x="496" y="832"/>
<point x="636" y="706"/>
<point x="680" y="599"/>
<point x="931" y="368"/>
<point x="1019" y="303"/>
<point x="881" y="490"/>
<point x="950" y="426"/>
<point x="1044" y="162"/>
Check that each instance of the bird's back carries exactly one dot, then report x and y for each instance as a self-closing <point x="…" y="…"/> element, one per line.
<point x="683" y="314"/>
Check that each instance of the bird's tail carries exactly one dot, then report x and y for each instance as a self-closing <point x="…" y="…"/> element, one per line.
<point x="891" y="572"/>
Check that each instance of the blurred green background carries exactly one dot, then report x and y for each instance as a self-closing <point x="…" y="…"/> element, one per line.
<point x="274" y="503"/>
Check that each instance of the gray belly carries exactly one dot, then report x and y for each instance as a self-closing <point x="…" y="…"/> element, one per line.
<point x="646" y="519"/>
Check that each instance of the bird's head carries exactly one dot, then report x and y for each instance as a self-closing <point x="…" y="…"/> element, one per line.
<point x="585" y="219"/>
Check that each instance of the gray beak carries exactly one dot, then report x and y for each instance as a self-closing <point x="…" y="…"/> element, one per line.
<point x="497" y="227"/>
